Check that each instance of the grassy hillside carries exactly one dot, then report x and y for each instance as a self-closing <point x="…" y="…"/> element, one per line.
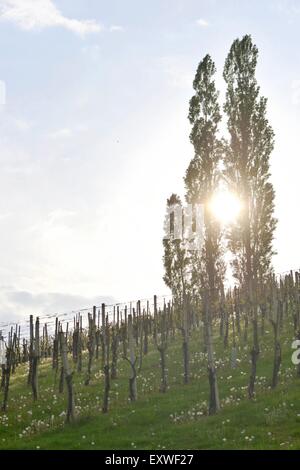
<point x="175" y="420"/>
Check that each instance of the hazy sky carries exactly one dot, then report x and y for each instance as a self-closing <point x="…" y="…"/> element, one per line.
<point x="94" y="136"/>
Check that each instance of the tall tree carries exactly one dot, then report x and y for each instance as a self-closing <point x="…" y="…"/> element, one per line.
<point x="177" y="272"/>
<point x="201" y="180"/>
<point x="247" y="171"/>
<point x="176" y="258"/>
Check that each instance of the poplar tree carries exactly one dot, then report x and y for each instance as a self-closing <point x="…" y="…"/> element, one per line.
<point x="177" y="271"/>
<point x="175" y="255"/>
<point x="247" y="172"/>
<point x="201" y="181"/>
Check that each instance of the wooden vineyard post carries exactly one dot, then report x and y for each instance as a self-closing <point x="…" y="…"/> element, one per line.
<point x="46" y="341"/>
<point x="34" y="352"/>
<point x="222" y="320"/>
<point x="233" y="358"/>
<point x="43" y="341"/>
<point x="214" y="402"/>
<point x="35" y="359"/>
<point x="283" y="302"/>
<point x="6" y="374"/>
<point x="25" y="354"/>
<point x="98" y="335"/>
<point x="18" y="345"/>
<point x="70" y="417"/>
<point x="275" y="321"/>
<point x="237" y="309"/>
<point x="2" y="363"/>
<point x="62" y="374"/>
<point x="106" y="369"/>
<point x="185" y="345"/>
<point x="162" y="347"/>
<point x="74" y="342"/>
<point x="55" y="347"/>
<point x="254" y="354"/>
<point x="125" y="333"/>
<point x="134" y="324"/>
<point x="132" y="361"/>
<point x="140" y="333"/>
<point x="118" y="317"/>
<point x="146" y="329"/>
<point x="103" y="334"/>
<point x="77" y="342"/>
<point x="244" y="308"/>
<point x="263" y="311"/>
<point x="114" y="347"/>
<point x="154" y="318"/>
<point x="29" y="379"/>
<point x="91" y="344"/>
<point x="79" y="345"/>
<point x="16" y="359"/>
<point x="293" y="301"/>
<point x="14" y="351"/>
<point x="225" y="319"/>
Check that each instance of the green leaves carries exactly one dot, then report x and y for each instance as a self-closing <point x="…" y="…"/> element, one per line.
<point x="241" y="163"/>
<point x="247" y="160"/>
<point x="205" y="116"/>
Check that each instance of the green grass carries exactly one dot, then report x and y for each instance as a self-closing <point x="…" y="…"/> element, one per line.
<point x="175" y="420"/>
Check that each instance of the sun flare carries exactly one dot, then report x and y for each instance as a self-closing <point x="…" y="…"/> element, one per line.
<point x="225" y="206"/>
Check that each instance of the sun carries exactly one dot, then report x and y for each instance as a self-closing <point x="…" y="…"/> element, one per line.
<point x="225" y="206"/>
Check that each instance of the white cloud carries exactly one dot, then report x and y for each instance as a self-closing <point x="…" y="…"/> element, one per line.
<point x="202" y="23"/>
<point x="40" y="14"/>
<point x="16" y="305"/>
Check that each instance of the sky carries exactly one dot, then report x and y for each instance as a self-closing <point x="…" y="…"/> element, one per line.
<point x="94" y="137"/>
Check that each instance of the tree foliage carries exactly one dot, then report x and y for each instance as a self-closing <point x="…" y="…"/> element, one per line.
<point x="247" y="164"/>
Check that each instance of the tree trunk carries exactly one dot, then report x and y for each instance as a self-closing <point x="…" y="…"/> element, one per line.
<point x="277" y="346"/>
<point x="164" y="383"/>
<point x="70" y="417"/>
<point x="254" y="358"/>
<point x="114" y="349"/>
<point x="7" y="372"/>
<point x="61" y="380"/>
<point x="214" y="402"/>
<point x="132" y="380"/>
<point x="106" y="389"/>
<point x="185" y="345"/>
<point x="91" y="347"/>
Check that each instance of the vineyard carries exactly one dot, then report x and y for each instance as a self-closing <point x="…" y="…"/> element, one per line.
<point x="141" y="155"/>
<point x="137" y="375"/>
